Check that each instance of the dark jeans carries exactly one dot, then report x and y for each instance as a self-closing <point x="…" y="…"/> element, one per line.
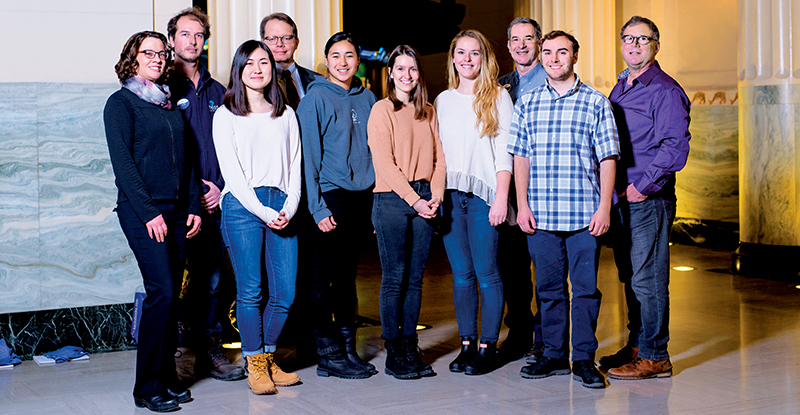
<point x="514" y="261"/>
<point x="161" y="264"/>
<point x="641" y="250"/>
<point x="557" y="254"/>
<point x="336" y="255"/>
<point x="205" y="254"/>
<point x="471" y="245"/>
<point x="254" y="247"/>
<point x="404" y="240"/>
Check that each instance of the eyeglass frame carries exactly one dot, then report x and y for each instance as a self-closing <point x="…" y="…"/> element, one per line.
<point x="638" y="40"/>
<point x="164" y="55"/>
<point x="523" y="40"/>
<point x="273" y="40"/>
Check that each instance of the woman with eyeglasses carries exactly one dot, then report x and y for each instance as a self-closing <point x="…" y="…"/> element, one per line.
<point x="409" y="185"/>
<point x="474" y="118"/>
<point x="339" y="177"/>
<point x="158" y="205"/>
<point x="258" y="146"/>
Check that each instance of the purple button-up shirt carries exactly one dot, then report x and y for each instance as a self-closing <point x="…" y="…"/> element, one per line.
<point x="652" y="118"/>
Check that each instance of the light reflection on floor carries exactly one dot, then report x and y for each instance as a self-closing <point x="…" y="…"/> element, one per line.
<point x="735" y="347"/>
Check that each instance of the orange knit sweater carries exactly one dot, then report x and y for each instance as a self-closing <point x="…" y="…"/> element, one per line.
<point x="405" y="150"/>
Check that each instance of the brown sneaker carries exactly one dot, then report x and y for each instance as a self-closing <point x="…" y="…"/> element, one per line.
<point x="258" y="379"/>
<point x="621" y="358"/>
<point x="279" y="377"/>
<point x="642" y="369"/>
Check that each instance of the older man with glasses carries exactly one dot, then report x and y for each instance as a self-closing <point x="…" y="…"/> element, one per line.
<point x="652" y="114"/>
<point x="279" y="32"/>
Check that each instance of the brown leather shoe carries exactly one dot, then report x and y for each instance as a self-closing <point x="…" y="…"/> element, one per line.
<point x="621" y="358"/>
<point x="258" y="379"/>
<point x="642" y="369"/>
<point x="279" y="377"/>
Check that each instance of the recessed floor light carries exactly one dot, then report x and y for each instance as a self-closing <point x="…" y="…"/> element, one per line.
<point x="683" y="268"/>
<point x="234" y="345"/>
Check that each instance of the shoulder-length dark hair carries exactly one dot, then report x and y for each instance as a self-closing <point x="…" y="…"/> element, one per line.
<point x="128" y="66"/>
<point x="236" y="97"/>
<point x="419" y="95"/>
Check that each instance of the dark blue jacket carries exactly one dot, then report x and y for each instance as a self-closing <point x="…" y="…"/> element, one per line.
<point x="151" y="159"/>
<point x="198" y="112"/>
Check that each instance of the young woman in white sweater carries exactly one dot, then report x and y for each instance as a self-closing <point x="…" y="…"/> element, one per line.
<point x="258" y="147"/>
<point x="474" y="117"/>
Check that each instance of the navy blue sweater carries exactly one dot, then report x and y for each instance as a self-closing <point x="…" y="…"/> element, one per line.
<point x="198" y="112"/>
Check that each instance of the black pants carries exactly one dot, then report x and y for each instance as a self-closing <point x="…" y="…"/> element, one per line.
<point x="161" y="264"/>
<point x="514" y="262"/>
<point x="336" y="255"/>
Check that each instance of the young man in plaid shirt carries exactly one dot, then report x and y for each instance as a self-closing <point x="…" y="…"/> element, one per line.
<point x="565" y="145"/>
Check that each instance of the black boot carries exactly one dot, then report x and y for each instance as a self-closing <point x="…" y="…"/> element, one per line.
<point x="485" y="361"/>
<point x="413" y="357"/>
<point x="333" y="361"/>
<point x="469" y="347"/>
<point x="396" y="363"/>
<point x="349" y="337"/>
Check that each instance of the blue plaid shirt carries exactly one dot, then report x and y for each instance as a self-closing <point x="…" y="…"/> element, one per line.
<point x="564" y="137"/>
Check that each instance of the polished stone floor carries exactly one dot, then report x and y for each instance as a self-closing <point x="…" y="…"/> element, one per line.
<point x="735" y="347"/>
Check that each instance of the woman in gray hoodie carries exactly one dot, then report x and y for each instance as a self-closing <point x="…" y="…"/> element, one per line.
<point x="339" y="177"/>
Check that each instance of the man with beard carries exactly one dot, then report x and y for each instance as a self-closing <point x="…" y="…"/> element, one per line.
<point x="198" y="96"/>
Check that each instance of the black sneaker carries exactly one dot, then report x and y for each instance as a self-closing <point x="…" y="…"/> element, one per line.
<point x="621" y="358"/>
<point x="536" y="353"/>
<point x="545" y="367"/>
<point x="587" y="374"/>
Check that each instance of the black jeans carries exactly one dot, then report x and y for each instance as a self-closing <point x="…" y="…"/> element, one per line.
<point x="336" y="255"/>
<point x="161" y="264"/>
<point x="404" y="240"/>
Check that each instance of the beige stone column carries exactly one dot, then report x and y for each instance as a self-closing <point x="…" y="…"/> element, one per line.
<point x="235" y="21"/>
<point x="592" y="22"/>
<point x="769" y="137"/>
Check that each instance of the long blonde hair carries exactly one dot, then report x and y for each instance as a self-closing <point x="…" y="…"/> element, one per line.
<point x="486" y="89"/>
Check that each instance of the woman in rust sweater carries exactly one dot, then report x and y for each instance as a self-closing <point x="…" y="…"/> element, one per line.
<point x="403" y="136"/>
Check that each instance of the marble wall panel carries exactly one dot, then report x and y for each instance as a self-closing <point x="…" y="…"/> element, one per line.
<point x="19" y="202"/>
<point x="769" y="166"/>
<point x="60" y="241"/>
<point x="708" y="187"/>
<point x="80" y="236"/>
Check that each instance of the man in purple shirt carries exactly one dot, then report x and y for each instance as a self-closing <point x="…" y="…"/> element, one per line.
<point x="652" y="115"/>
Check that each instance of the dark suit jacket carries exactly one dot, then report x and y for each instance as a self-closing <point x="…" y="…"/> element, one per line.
<point x="306" y="76"/>
<point x="511" y="83"/>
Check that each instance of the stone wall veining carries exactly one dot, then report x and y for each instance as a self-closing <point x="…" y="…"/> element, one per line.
<point x="60" y="241"/>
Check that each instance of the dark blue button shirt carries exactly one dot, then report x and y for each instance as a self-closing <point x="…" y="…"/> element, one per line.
<point x="652" y="118"/>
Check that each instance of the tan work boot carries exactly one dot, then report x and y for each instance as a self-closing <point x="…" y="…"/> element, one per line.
<point x="258" y="379"/>
<point x="279" y="377"/>
<point x="642" y="369"/>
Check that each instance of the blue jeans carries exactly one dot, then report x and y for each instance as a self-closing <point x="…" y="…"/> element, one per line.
<point x="556" y="255"/>
<point x="471" y="245"/>
<point x="254" y="247"/>
<point x="404" y="239"/>
<point x="641" y="250"/>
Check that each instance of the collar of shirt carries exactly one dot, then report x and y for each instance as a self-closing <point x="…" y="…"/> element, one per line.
<point x="572" y="90"/>
<point x="296" y="76"/>
<point x="644" y="78"/>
